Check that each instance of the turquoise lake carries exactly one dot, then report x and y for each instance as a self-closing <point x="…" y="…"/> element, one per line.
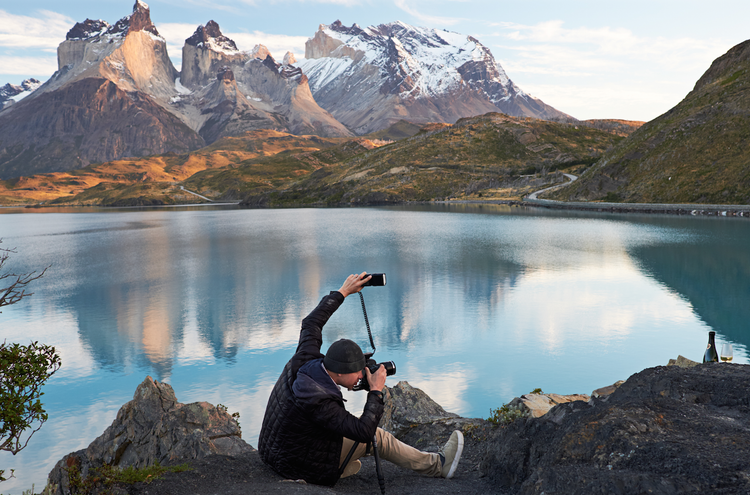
<point x="483" y="303"/>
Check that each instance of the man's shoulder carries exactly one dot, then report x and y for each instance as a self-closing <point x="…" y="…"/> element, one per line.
<point x="314" y="384"/>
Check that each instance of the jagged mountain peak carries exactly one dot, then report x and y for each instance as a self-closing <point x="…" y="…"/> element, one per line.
<point x="130" y="53"/>
<point x="289" y="58"/>
<point x="87" y="29"/>
<point x="210" y="37"/>
<point x="261" y="52"/>
<point x="234" y="91"/>
<point x="139" y="20"/>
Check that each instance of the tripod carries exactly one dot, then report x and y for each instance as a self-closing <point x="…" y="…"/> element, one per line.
<point x="378" y="469"/>
<point x="374" y="442"/>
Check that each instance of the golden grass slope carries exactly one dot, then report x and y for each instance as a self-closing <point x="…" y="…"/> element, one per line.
<point x="156" y="177"/>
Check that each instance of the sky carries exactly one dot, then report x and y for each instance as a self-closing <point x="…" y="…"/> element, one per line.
<point x="630" y="60"/>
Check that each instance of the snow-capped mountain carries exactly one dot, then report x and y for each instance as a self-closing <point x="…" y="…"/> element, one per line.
<point x="10" y="93"/>
<point x="370" y="78"/>
<point x="230" y="91"/>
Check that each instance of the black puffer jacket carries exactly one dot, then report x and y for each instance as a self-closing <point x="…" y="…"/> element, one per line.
<point x="305" y="421"/>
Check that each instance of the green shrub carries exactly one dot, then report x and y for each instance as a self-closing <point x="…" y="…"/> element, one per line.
<point x="508" y="413"/>
<point x="108" y="475"/>
<point x="504" y="415"/>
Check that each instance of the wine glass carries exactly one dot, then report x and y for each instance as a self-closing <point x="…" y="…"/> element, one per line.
<point x="726" y="352"/>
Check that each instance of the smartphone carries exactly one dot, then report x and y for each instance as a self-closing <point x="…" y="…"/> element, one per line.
<point x="377" y="280"/>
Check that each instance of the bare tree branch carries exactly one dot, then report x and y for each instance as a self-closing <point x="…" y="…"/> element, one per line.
<point x="16" y="290"/>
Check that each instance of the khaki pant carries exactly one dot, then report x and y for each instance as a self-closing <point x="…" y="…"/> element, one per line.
<point x="391" y="449"/>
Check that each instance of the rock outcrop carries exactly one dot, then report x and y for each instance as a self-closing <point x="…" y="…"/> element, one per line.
<point x="667" y="430"/>
<point x="130" y="53"/>
<point x="109" y="98"/>
<point x="537" y="405"/>
<point x="406" y="406"/>
<point x="371" y="78"/>
<point x="262" y="94"/>
<point x="91" y="120"/>
<point x="151" y="428"/>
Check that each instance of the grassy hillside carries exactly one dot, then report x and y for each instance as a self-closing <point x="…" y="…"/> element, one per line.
<point x="400" y="130"/>
<point x="270" y="173"/>
<point x="698" y="152"/>
<point x="487" y="157"/>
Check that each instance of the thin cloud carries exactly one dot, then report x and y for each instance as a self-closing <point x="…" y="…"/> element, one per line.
<point x="175" y="34"/>
<point x="277" y="44"/>
<point x="583" y="70"/>
<point x="427" y="19"/>
<point x="43" y="32"/>
<point x="214" y="5"/>
<point x="555" y="60"/>
<point x="623" y="101"/>
<point x="23" y="66"/>
<point x="608" y="43"/>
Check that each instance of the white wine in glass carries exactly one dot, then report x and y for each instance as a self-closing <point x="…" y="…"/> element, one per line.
<point x="726" y="353"/>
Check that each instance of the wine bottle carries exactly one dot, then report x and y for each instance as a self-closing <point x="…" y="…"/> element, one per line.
<point x="711" y="356"/>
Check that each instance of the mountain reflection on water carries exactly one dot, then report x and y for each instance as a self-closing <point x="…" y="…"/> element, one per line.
<point x="713" y="273"/>
<point x="483" y="303"/>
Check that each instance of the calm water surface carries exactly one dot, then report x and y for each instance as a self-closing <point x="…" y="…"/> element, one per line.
<point x="483" y="303"/>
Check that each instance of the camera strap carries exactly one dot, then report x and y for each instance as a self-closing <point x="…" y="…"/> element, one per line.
<point x="367" y="322"/>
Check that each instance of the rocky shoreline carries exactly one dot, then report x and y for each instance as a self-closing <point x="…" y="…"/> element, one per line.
<point x="663" y="209"/>
<point x="668" y="429"/>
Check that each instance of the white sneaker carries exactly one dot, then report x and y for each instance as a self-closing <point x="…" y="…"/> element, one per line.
<point x="451" y="453"/>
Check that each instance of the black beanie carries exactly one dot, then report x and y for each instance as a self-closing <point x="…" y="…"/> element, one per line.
<point x="344" y="356"/>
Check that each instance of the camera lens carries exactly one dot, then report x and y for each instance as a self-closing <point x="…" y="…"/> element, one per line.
<point x="390" y="368"/>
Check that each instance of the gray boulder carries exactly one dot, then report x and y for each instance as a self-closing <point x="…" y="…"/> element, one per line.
<point x="154" y="427"/>
<point x="406" y="406"/>
<point x="414" y="418"/>
<point x="666" y="430"/>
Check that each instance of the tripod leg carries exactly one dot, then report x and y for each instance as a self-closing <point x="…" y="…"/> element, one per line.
<point x="381" y="480"/>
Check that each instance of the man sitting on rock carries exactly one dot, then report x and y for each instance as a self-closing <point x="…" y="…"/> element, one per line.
<point x="307" y="432"/>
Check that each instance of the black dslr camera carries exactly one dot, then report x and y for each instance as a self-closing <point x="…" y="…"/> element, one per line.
<point x="390" y="370"/>
<point x="377" y="280"/>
